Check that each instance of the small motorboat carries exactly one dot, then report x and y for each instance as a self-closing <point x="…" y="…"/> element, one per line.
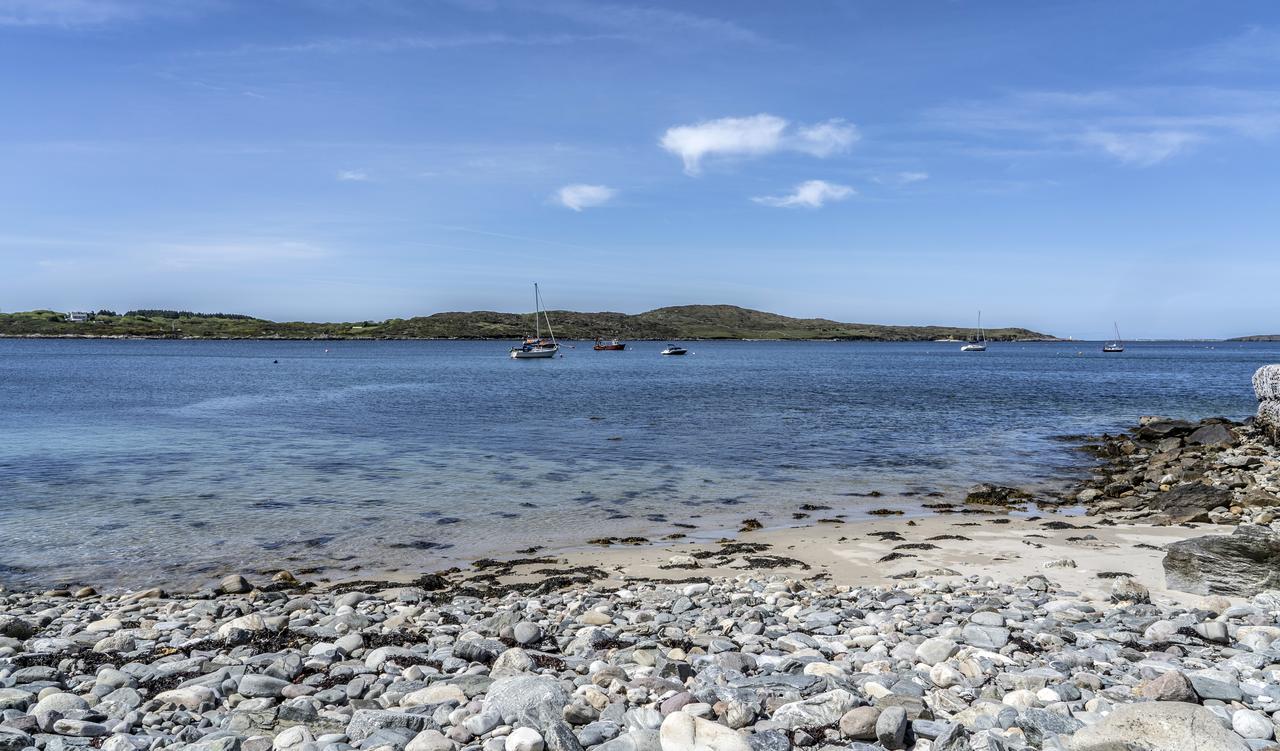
<point x="613" y="346"/>
<point x="674" y="350"/>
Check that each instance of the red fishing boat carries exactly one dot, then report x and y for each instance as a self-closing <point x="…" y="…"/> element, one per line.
<point x="613" y="346"/>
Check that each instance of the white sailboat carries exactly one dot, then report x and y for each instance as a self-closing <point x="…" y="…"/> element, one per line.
<point x="536" y="347"/>
<point x="979" y="342"/>
<point x="1117" y="345"/>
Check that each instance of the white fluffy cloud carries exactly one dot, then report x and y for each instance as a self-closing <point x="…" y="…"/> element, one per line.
<point x="811" y="194"/>
<point x="581" y="196"/>
<point x="756" y="135"/>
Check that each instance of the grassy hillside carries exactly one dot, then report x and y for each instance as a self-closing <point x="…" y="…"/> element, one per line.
<point x="680" y="322"/>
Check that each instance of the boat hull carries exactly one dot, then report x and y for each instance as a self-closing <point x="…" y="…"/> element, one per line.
<point x="677" y="353"/>
<point x="974" y="348"/>
<point x="1113" y="349"/>
<point x="541" y="353"/>
<point x="609" y="347"/>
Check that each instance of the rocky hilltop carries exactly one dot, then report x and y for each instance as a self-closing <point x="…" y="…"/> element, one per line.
<point x="681" y="322"/>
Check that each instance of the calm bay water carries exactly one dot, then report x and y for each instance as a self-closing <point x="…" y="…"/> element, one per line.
<point x="161" y="462"/>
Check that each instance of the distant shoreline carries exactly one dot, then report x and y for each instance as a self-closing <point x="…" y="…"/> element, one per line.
<point x="139" y="337"/>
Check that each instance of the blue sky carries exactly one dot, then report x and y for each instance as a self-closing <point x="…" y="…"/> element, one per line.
<point x="1059" y="165"/>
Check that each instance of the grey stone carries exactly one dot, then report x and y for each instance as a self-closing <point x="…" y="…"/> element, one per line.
<point x="1167" y="726"/>
<point x="891" y="728"/>
<point x="816" y="711"/>
<point x="1241" y="564"/>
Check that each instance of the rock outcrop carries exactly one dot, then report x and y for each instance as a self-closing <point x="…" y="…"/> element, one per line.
<point x="1243" y="563"/>
<point x="1266" y="386"/>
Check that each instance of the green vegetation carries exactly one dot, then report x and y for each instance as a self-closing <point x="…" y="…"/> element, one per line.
<point x="680" y="322"/>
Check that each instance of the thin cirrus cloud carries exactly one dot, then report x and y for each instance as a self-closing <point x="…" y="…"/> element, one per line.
<point x="901" y="178"/>
<point x="1142" y="149"/>
<point x="753" y="136"/>
<point x="811" y="194"/>
<point x="353" y="176"/>
<point x="581" y="196"/>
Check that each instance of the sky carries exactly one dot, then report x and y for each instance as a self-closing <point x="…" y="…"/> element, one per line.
<point x="1057" y="165"/>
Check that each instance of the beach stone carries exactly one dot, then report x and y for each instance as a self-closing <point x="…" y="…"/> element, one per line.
<point x="523" y="739"/>
<point x="527" y="633"/>
<point x="1128" y="589"/>
<point x="55" y="706"/>
<point x="1039" y="724"/>
<point x="934" y="650"/>
<point x="1172" y="685"/>
<point x="1189" y="503"/>
<point x="433" y="740"/>
<point x="1250" y="724"/>
<point x="255" y="685"/>
<point x="440" y="693"/>
<point x="816" y="711"/>
<point x="292" y="738"/>
<point x="1168" y="726"/>
<point x="12" y="698"/>
<point x="859" y="723"/>
<point x="1241" y="564"/>
<point x="512" y="696"/>
<point x="985" y="637"/>
<point x="1215" y="684"/>
<point x="79" y="728"/>
<point x="12" y="739"/>
<point x="891" y="728"/>
<point x="1214" y="434"/>
<point x="682" y="731"/>
<point x="252" y="623"/>
<point x="234" y="584"/>
<point x="366" y="722"/>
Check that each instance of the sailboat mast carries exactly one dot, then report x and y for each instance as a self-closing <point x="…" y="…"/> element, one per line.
<point x="537" y="307"/>
<point x="549" y="331"/>
<point x="1117" y="327"/>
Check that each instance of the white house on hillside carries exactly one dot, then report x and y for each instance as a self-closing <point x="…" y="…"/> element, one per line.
<point x="76" y="316"/>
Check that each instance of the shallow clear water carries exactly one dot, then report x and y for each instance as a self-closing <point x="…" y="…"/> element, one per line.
<point x="136" y="462"/>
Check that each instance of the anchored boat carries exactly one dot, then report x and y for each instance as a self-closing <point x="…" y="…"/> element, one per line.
<point x="1117" y="345"/>
<point x="536" y="347"/>
<point x="613" y="346"/>
<point x="674" y="350"/>
<point x="979" y="342"/>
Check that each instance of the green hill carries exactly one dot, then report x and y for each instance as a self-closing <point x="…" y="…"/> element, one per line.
<point x="679" y="322"/>
<point x="1257" y="338"/>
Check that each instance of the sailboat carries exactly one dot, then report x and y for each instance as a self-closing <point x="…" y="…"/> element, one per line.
<point x="1117" y="345"/>
<point x="536" y="347"/>
<point x="979" y="342"/>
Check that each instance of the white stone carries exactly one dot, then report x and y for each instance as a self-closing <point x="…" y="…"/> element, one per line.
<point x="682" y="731"/>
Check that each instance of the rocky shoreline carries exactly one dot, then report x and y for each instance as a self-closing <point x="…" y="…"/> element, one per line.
<point x="742" y="645"/>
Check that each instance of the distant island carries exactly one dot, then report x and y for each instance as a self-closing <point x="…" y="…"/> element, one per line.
<point x="679" y="322"/>
<point x="1257" y="338"/>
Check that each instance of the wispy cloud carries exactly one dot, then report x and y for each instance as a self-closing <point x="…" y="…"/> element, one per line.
<point x="755" y="135"/>
<point x="811" y="194"/>
<point x="1255" y="48"/>
<point x="77" y="13"/>
<point x="398" y="43"/>
<point x="353" y="176"/>
<point x="901" y="178"/>
<point x="647" y="20"/>
<point x="1141" y="148"/>
<point x="581" y="196"/>
<point x="1141" y="127"/>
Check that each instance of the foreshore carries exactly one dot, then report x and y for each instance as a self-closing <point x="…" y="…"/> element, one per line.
<point x="1011" y="620"/>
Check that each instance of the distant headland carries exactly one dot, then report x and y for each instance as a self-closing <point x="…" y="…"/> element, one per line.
<point x="1257" y="338"/>
<point x="678" y="322"/>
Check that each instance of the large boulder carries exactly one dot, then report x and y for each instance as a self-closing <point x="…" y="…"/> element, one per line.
<point x="1266" y="382"/>
<point x="1189" y="503"/>
<point x="1163" y="725"/>
<point x="1242" y="564"/>
<point x="1269" y="418"/>
<point x="817" y="711"/>
<point x="516" y="695"/>
<point x="1154" y="430"/>
<point x="1213" y="434"/>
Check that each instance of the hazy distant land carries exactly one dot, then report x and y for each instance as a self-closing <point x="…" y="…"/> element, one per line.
<point x="1257" y="338"/>
<point x="679" y="322"/>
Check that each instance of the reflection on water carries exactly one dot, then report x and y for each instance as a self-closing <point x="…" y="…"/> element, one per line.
<point x="136" y="462"/>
